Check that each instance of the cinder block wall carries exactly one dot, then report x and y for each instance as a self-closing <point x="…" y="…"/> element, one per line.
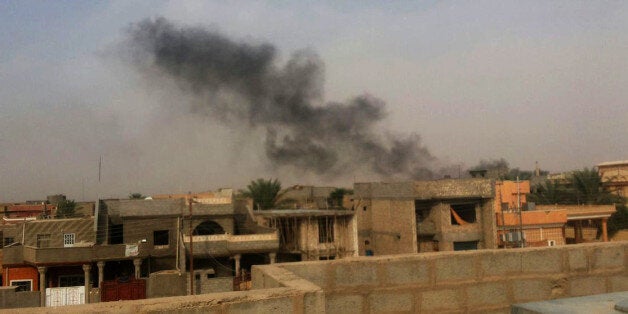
<point x="471" y="281"/>
<point x="9" y="298"/>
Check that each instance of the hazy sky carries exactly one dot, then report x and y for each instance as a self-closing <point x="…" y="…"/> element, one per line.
<point x="529" y="81"/>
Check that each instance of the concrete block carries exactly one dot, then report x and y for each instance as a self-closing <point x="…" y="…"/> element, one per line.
<point x="587" y="286"/>
<point x="500" y="263"/>
<point x="313" y="272"/>
<point x="314" y="302"/>
<point x="455" y="267"/>
<point x="276" y="305"/>
<point x="441" y="300"/>
<point x="491" y="293"/>
<point x="336" y="303"/>
<point x="546" y="260"/>
<point x="407" y="272"/>
<point x="608" y="257"/>
<point x="525" y="290"/>
<point x="619" y="283"/>
<point x="391" y="302"/>
<point x="577" y="259"/>
<point x="356" y="274"/>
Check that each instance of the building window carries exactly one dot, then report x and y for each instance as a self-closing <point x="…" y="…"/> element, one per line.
<point x="8" y="240"/>
<point x="161" y="237"/>
<point x="463" y="213"/>
<point x="464" y="246"/>
<point x="71" y="280"/>
<point x="116" y="233"/>
<point x="68" y="240"/>
<point x="325" y="230"/>
<point x="23" y="285"/>
<point x="43" y="240"/>
<point x="422" y="210"/>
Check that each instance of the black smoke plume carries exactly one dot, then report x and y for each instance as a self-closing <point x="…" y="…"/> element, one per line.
<point x="240" y="84"/>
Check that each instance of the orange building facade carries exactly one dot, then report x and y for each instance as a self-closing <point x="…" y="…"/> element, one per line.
<point x="514" y="216"/>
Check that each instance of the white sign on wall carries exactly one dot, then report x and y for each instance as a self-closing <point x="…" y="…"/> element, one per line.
<point x="131" y="250"/>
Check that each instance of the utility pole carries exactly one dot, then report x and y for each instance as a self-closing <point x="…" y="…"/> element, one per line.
<point x="191" y="246"/>
<point x="521" y="242"/>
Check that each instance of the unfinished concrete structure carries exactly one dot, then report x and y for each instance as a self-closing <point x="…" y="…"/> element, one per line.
<point x="305" y="196"/>
<point x="424" y="216"/>
<point x="312" y="234"/>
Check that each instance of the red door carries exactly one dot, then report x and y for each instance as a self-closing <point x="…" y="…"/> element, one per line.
<point x="135" y="289"/>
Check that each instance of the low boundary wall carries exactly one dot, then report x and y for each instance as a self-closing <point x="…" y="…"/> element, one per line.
<point x="471" y="281"/>
<point x="485" y="281"/>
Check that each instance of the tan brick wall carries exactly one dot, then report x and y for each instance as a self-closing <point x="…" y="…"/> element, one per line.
<point x="478" y="281"/>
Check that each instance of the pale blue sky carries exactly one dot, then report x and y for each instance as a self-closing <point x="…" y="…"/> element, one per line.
<point x="527" y="81"/>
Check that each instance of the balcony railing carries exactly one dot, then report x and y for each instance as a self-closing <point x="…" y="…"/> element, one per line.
<point x="77" y="254"/>
<point x="227" y="244"/>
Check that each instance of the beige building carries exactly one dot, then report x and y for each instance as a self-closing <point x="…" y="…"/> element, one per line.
<point x="312" y="234"/>
<point x="424" y="216"/>
<point x="305" y="196"/>
<point x="615" y="176"/>
<point x="211" y="239"/>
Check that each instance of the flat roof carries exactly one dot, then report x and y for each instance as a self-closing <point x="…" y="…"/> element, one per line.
<point x="600" y="303"/>
<point x="613" y="163"/>
<point x="303" y="212"/>
<point x="577" y="212"/>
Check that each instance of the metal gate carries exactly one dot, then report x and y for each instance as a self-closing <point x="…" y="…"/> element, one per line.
<point x="242" y="282"/>
<point x="65" y="296"/>
<point x="114" y="290"/>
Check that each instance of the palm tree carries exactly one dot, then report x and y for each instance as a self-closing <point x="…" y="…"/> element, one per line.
<point x="551" y="192"/>
<point x="588" y="189"/>
<point x="264" y="193"/>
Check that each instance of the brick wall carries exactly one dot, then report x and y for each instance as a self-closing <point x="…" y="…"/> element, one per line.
<point x="22" y="273"/>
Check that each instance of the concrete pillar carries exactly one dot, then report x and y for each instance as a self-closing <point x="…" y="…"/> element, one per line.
<point x="137" y="263"/>
<point x="273" y="257"/>
<point x="42" y="286"/>
<point x="101" y="272"/>
<point x="605" y="229"/>
<point x="237" y="264"/>
<point x="87" y="268"/>
<point x="578" y="231"/>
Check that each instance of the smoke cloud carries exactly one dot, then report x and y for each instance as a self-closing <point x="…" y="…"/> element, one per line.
<point x="242" y="85"/>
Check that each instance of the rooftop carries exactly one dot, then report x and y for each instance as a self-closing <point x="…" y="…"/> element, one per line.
<point x="303" y="212"/>
<point x="613" y="163"/>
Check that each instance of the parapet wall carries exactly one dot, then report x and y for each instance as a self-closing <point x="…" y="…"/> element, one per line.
<point x="9" y="298"/>
<point x="471" y="281"/>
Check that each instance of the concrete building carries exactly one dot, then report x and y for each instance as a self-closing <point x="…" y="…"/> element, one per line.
<point x="306" y="197"/>
<point x="519" y="223"/>
<point x="130" y="240"/>
<point x="614" y="176"/>
<point x="51" y="253"/>
<point x="584" y="223"/>
<point x="425" y="216"/>
<point x="312" y="234"/>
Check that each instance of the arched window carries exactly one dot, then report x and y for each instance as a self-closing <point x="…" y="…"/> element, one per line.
<point x="208" y="227"/>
